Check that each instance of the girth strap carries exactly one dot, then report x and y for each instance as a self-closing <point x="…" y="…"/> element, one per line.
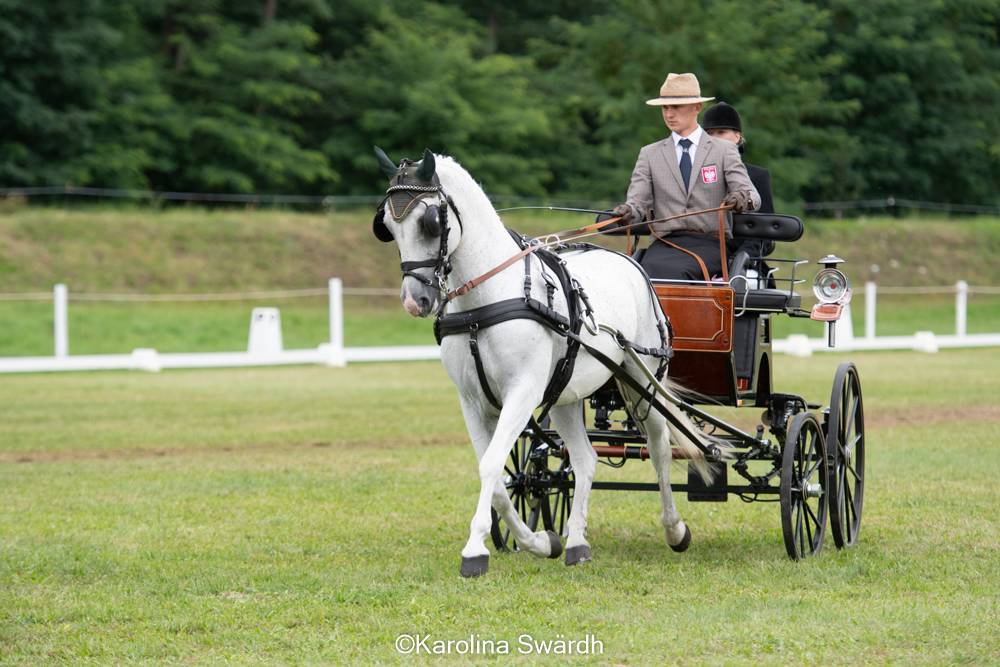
<point x="495" y="313"/>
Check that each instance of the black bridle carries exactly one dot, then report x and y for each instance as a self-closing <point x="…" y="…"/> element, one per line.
<point x="434" y="222"/>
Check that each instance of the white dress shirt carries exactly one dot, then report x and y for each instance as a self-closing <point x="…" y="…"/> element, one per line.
<point x="695" y="137"/>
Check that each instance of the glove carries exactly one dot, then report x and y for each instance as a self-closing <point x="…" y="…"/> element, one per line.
<point x="625" y="212"/>
<point x="739" y="200"/>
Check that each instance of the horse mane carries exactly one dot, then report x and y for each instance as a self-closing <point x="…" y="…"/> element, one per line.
<point x="464" y="190"/>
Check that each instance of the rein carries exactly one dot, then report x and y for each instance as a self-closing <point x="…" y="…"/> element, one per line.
<point x="587" y="231"/>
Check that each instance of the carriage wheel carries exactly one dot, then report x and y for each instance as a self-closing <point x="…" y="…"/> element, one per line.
<point x="845" y="437"/>
<point x="542" y="494"/>
<point x="803" y="482"/>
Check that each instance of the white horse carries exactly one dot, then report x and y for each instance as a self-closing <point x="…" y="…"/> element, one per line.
<point x="520" y="355"/>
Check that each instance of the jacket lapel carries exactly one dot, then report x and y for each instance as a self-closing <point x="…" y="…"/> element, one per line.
<point x="669" y="153"/>
<point x="704" y="148"/>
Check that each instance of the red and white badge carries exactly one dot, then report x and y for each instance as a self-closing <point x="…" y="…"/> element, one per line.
<point x="709" y="174"/>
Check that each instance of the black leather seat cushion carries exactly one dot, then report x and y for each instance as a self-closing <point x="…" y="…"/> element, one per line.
<point x="767" y="299"/>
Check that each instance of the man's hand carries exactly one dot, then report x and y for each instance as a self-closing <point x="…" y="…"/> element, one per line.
<point x="739" y="200"/>
<point x="624" y="211"/>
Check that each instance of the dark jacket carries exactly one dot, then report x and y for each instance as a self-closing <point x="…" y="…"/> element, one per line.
<point x="761" y="179"/>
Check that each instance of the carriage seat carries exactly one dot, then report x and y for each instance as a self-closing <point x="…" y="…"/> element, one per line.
<point x="765" y="228"/>
<point x="756" y="232"/>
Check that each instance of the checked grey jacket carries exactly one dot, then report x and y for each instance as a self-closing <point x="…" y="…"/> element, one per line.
<point x="656" y="184"/>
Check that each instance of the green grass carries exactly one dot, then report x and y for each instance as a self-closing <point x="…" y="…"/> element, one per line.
<point x="310" y="515"/>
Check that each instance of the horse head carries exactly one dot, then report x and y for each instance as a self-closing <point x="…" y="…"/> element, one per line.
<point x="414" y="214"/>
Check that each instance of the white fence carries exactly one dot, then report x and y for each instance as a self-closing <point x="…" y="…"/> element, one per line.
<point x="333" y="352"/>
<point x="923" y="341"/>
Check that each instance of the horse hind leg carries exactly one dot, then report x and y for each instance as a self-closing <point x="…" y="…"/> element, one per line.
<point x="568" y="421"/>
<point x="654" y="426"/>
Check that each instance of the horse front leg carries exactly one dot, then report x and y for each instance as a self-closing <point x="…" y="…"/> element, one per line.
<point x="516" y="411"/>
<point x="481" y="427"/>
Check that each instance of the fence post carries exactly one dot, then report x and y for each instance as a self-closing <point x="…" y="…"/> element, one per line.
<point x="60" y="300"/>
<point x="961" y="305"/>
<point x="335" y="348"/>
<point x="870" y="296"/>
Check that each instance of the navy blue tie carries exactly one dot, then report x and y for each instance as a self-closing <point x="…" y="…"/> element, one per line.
<point x="685" y="162"/>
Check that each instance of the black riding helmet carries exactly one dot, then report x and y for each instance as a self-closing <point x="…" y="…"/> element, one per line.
<point x="722" y="116"/>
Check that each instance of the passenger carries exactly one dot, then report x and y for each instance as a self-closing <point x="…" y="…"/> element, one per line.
<point x="687" y="171"/>
<point x="723" y="122"/>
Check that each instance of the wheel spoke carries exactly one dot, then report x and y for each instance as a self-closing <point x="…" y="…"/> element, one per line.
<point x="798" y="526"/>
<point x="857" y="477"/>
<point x="809" y="532"/>
<point x="533" y="519"/>
<point x="854" y="411"/>
<point x="811" y="514"/>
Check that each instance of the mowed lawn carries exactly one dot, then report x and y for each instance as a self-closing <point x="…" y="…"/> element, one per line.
<point x="312" y="515"/>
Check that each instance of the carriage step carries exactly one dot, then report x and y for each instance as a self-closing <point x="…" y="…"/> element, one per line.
<point x="700" y="492"/>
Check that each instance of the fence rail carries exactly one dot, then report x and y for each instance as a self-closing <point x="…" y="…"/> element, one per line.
<point x="334" y="353"/>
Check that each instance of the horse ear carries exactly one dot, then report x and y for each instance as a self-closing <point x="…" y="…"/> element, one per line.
<point x="388" y="166"/>
<point x="427" y="167"/>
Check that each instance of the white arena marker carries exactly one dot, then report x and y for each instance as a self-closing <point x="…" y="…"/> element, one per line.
<point x="146" y="359"/>
<point x="925" y="341"/>
<point x="844" y="329"/>
<point x="799" y="345"/>
<point x="265" y="331"/>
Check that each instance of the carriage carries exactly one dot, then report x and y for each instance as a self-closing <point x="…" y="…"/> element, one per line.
<point x="571" y="335"/>
<point x="808" y="457"/>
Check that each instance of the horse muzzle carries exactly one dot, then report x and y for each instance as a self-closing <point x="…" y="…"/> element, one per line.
<point x="418" y="300"/>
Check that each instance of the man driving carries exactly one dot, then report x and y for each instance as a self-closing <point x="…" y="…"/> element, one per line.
<point x="687" y="171"/>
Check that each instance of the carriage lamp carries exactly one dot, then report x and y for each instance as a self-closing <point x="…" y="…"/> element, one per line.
<point x="833" y="291"/>
<point x="831" y="286"/>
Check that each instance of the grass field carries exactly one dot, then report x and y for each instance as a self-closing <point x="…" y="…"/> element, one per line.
<point x="310" y="515"/>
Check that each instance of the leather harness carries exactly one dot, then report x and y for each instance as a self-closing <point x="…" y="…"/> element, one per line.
<point x="579" y="311"/>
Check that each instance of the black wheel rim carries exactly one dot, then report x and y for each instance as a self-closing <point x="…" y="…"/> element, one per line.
<point x="803" y="487"/>
<point x="846" y="444"/>
<point x="542" y="495"/>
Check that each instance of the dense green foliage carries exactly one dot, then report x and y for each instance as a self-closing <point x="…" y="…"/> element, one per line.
<point x="840" y="100"/>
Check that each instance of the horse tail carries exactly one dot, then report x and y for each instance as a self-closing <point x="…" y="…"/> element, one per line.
<point x="689" y="446"/>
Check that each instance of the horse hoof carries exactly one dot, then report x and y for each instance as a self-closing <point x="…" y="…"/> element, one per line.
<point x="577" y="554"/>
<point x="475" y="566"/>
<point x="684" y="543"/>
<point x="555" y="546"/>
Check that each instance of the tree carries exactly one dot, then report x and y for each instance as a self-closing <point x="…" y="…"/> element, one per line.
<point x="51" y="60"/>
<point x="240" y="90"/>
<point x="765" y="58"/>
<point x="927" y="79"/>
<point x="424" y="80"/>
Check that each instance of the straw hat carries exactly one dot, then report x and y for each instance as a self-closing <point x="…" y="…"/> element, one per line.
<point x="679" y="89"/>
